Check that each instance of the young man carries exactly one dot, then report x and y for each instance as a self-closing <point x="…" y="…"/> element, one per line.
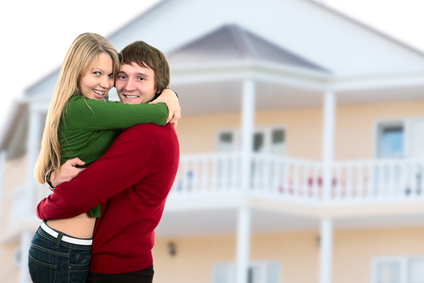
<point x="131" y="181"/>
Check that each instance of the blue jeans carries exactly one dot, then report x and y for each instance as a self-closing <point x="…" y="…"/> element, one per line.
<point x="52" y="260"/>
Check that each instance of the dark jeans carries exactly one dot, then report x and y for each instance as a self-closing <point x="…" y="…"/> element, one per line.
<point x="141" y="276"/>
<point x="54" y="261"/>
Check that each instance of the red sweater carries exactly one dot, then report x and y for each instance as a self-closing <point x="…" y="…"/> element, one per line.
<point x="131" y="181"/>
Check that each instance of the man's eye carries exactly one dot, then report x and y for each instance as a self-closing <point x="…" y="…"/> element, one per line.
<point x="121" y="77"/>
<point x="96" y="73"/>
<point x="141" y="79"/>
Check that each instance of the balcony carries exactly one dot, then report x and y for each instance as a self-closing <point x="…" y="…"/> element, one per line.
<point x="213" y="181"/>
<point x="300" y="181"/>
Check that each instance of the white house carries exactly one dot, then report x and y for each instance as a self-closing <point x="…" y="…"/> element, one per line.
<point x="302" y="152"/>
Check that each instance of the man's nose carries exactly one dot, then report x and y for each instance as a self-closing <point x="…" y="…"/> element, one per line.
<point x="129" y="86"/>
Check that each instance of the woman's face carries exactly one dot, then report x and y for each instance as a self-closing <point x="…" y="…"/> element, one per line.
<point x="99" y="79"/>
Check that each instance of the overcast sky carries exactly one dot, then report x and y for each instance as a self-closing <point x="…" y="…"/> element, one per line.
<point x="37" y="34"/>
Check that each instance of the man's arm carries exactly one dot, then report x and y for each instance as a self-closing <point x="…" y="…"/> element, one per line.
<point x="125" y="163"/>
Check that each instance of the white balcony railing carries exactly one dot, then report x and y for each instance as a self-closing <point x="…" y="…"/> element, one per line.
<point x="21" y="207"/>
<point x="277" y="178"/>
<point x="301" y="180"/>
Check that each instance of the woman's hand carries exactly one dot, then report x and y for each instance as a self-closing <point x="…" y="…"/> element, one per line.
<point x="67" y="172"/>
<point x="171" y="100"/>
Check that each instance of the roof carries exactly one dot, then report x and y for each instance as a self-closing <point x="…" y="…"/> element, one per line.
<point x="231" y="43"/>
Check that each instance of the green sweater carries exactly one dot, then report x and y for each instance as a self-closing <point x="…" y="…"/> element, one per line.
<point x="88" y="127"/>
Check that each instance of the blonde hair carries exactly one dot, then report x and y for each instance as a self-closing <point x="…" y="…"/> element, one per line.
<point x="80" y="57"/>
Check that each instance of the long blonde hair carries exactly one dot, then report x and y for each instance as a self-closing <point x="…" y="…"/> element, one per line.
<point x="82" y="54"/>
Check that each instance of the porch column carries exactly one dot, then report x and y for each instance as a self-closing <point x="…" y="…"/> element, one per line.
<point x="33" y="148"/>
<point x="243" y="244"/>
<point x="243" y="219"/>
<point x="247" y="123"/>
<point x="329" y="113"/>
<point x="26" y="238"/>
<point x="326" y="250"/>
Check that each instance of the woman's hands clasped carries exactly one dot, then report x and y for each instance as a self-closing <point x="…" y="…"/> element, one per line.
<point x="171" y="100"/>
<point x="67" y="171"/>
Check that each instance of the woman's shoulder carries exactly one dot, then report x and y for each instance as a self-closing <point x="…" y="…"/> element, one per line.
<point x="75" y="100"/>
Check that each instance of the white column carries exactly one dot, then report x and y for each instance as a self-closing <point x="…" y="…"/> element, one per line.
<point x="247" y="124"/>
<point x="329" y="113"/>
<point x="26" y="238"/>
<point x="243" y="219"/>
<point x="243" y="244"/>
<point x="326" y="250"/>
<point x="33" y="148"/>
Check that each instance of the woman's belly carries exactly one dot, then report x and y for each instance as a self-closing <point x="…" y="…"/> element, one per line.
<point x="81" y="226"/>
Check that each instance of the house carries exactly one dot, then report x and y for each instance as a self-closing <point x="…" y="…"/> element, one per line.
<point x="301" y="141"/>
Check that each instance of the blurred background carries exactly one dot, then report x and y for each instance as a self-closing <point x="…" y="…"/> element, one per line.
<point x="302" y="138"/>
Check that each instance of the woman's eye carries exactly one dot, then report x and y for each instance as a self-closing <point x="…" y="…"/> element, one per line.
<point x="96" y="73"/>
<point x="110" y="75"/>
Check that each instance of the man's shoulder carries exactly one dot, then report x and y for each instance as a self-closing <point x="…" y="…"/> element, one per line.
<point x="151" y="130"/>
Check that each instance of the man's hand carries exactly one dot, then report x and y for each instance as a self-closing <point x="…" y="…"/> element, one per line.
<point x="171" y="100"/>
<point x="67" y="171"/>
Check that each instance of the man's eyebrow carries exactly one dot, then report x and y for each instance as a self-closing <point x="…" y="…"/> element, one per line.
<point x="142" y="74"/>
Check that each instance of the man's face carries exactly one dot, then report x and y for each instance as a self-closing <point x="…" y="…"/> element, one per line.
<point x="135" y="84"/>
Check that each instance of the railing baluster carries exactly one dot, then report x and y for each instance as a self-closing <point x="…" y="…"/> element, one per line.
<point x="296" y="191"/>
<point x="349" y="182"/>
<point x="359" y="192"/>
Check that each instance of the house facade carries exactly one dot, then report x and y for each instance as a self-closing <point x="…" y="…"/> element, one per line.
<point x="302" y="148"/>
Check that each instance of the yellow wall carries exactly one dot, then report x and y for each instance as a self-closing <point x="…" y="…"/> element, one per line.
<point x="355" y="128"/>
<point x="354" y="250"/>
<point x="13" y="178"/>
<point x="9" y="273"/>
<point x="298" y="253"/>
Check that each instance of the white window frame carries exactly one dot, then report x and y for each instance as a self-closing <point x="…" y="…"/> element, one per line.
<point x="261" y="264"/>
<point x="392" y="122"/>
<point x="267" y="131"/>
<point x="407" y="128"/>
<point x="408" y="139"/>
<point x="402" y="260"/>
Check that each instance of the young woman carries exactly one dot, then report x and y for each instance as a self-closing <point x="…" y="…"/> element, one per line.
<point x="79" y="124"/>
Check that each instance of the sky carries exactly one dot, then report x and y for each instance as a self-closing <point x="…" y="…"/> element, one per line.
<point x="37" y="34"/>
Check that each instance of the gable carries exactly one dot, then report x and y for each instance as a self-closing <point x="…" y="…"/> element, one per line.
<point x="313" y="32"/>
<point x="302" y="27"/>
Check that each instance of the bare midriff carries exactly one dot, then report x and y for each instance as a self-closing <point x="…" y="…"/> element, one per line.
<point x="81" y="226"/>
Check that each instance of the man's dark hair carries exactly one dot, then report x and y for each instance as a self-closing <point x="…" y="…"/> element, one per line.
<point x="147" y="56"/>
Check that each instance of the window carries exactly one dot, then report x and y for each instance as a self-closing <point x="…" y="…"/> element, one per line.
<point x="265" y="140"/>
<point x="226" y="141"/>
<point x="390" y="143"/>
<point x="398" y="270"/>
<point x="416" y="138"/>
<point x="400" y="139"/>
<point x="259" y="272"/>
<point x="277" y="142"/>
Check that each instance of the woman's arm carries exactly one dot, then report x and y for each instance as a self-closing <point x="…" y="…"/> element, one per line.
<point x="170" y="98"/>
<point x="66" y="173"/>
<point x="90" y="114"/>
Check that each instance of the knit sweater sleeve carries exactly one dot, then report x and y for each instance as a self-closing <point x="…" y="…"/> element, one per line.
<point x="90" y="114"/>
<point x="130" y="156"/>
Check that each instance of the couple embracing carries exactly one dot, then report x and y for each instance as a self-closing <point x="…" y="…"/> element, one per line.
<point x="110" y="165"/>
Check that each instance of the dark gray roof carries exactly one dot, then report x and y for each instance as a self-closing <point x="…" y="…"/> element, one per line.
<point x="231" y="43"/>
